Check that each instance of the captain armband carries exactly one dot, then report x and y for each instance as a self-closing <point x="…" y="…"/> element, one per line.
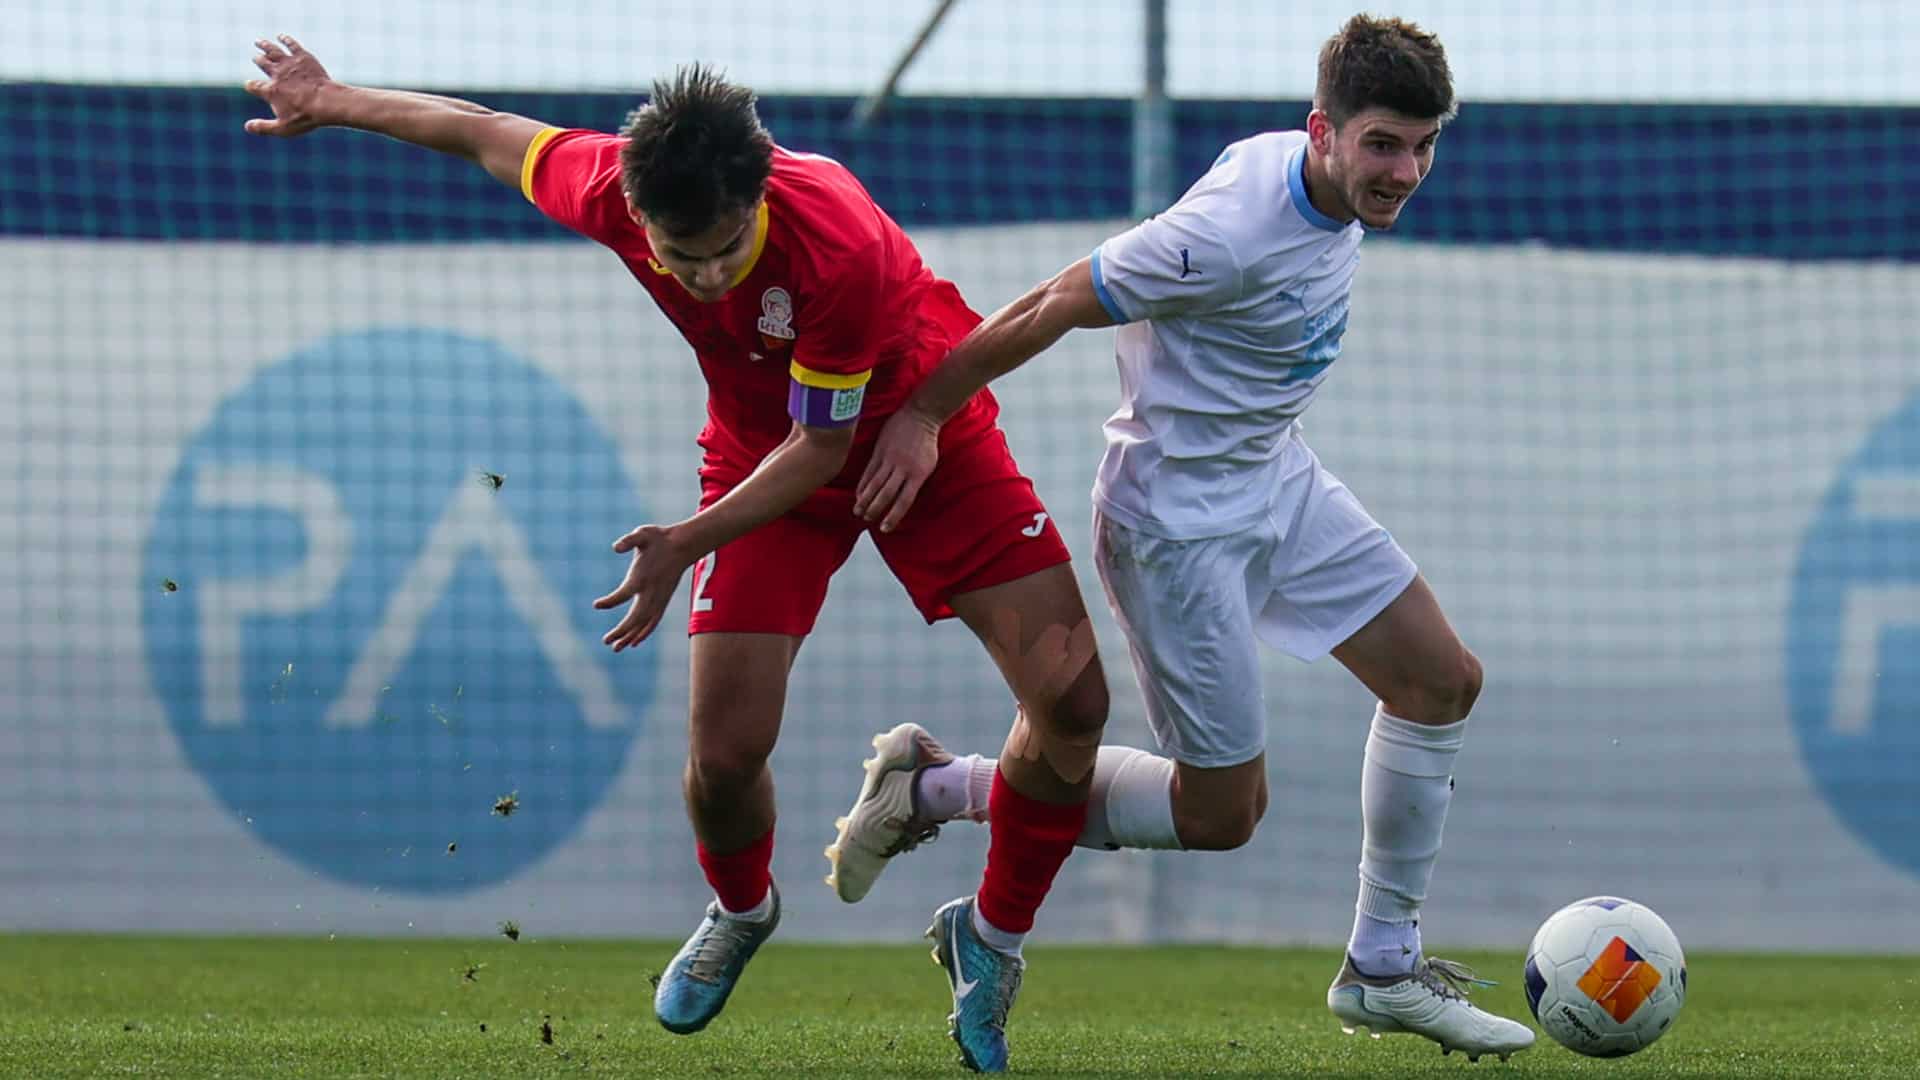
<point x="822" y="399"/>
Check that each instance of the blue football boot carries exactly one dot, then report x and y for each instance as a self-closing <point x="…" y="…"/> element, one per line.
<point x="695" y="986"/>
<point x="985" y="981"/>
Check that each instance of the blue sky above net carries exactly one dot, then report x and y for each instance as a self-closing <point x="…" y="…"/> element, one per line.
<point x="1503" y="50"/>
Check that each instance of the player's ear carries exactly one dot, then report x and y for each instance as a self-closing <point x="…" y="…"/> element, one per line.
<point x="1320" y="131"/>
<point x="633" y="212"/>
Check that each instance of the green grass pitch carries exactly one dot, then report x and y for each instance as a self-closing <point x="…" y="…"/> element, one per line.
<point x="221" y="1007"/>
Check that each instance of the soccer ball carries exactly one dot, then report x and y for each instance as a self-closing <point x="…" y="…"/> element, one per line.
<point x="1605" y="976"/>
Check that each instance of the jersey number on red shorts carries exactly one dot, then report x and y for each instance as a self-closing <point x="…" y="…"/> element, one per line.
<point x="701" y="601"/>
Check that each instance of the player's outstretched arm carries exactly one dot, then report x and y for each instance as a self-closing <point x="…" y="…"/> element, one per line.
<point x="304" y="97"/>
<point x="809" y="458"/>
<point x="908" y="447"/>
<point x="1010" y="337"/>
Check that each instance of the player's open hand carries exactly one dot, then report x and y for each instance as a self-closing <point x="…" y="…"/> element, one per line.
<point x="294" y="85"/>
<point x="903" y="458"/>
<point x="652" y="575"/>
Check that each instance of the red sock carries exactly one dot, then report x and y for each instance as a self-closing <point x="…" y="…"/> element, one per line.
<point x="1030" y="841"/>
<point x="739" y="878"/>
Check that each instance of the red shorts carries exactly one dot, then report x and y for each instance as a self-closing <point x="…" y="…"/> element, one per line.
<point x="977" y="522"/>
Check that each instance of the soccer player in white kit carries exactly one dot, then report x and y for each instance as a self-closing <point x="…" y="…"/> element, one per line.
<point x="1216" y="525"/>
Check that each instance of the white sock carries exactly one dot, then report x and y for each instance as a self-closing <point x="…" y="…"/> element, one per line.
<point x="997" y="939"/>
<point x="1405" y="786"/>
<point x="1383" y="948"/>
<point x="760" y="912"/>
<point x="1131" y="805"/>
<point x="958" y="789"/>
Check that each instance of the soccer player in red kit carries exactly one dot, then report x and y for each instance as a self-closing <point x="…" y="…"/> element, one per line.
<point x="812" y="318"/>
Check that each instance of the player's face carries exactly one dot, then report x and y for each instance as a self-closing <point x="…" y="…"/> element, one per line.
<point x="705" y="262"/>
<point x="1375" y="161"/>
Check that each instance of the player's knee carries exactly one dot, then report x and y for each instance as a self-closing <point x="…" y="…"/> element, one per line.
<point x="719" y="771"/>
<point x="1455" y="687"/>
<point x="1221" y="828"/>
<point x="1444" y="694"/>
<point x="1472" y="674"/>
<point x="1081" y="713"/>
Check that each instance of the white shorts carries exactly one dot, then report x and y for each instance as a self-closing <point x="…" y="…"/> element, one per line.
<point x="1303" y="580"/>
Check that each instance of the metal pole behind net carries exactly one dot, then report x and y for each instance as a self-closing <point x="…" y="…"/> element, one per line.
<point x="1153" y="121"/>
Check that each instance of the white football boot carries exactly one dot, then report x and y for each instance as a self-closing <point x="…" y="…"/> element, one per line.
<point x="885" y="819"/>
<point x="1431" y="1001"/>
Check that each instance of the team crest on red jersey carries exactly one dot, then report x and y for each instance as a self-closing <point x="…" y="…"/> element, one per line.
<point x="776" y="318"/>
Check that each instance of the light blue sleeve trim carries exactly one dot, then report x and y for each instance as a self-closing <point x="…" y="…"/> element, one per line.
<point x="1100" y="290"/>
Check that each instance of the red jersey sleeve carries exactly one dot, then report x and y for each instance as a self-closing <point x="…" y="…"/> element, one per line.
<point x="573" y="176"/>
<point x="837" y="339"/>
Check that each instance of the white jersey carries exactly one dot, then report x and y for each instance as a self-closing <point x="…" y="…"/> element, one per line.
<point x="1233" y="303"/>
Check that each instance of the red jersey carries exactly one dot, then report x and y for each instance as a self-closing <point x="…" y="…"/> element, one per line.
<point x="834" y="319"/>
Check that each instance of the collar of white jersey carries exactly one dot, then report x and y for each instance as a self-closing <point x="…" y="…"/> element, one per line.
<point x="1297" y="185"/>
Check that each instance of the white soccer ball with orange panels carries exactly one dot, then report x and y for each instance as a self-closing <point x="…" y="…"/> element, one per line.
<point x="1605" y="976"/>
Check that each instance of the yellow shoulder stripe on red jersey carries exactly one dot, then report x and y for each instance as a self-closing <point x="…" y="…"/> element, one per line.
<point x="827" y="380"/>
<point x="527" y="163"/>
<point x="759" y="244"/>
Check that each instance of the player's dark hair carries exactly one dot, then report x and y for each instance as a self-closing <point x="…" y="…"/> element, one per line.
<point x="695" y="151"/>
<point x="1389" y="63"/>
